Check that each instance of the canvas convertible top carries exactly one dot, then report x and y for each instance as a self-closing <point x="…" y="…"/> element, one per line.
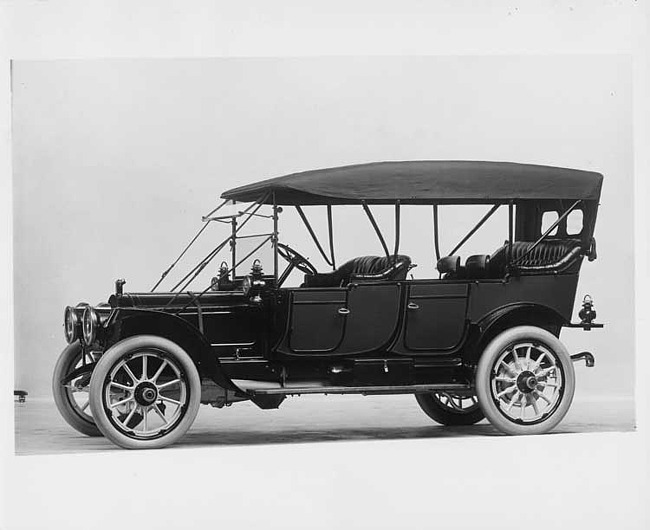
<point x="423" y="182"/>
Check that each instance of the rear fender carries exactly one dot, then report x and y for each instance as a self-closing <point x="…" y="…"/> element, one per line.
<point x="511" y="316"/>
<point x="128" y="322"/>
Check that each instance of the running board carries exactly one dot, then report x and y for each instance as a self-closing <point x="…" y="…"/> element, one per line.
<point x="365" y="390"/>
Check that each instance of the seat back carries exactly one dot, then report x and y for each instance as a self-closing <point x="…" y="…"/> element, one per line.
<point x="476" y="267"/>
<point x="364" y="268"/>
<point x="386" y="268"/>
<point x="548" y="256"/>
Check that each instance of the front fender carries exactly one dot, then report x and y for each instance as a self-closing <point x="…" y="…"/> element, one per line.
<point x="127" y="322"/>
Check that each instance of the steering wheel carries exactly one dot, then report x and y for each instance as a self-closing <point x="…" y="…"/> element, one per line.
<point x="296" y="259"/>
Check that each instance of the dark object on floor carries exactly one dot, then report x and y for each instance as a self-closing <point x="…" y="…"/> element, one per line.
<point x="22" y="394"/>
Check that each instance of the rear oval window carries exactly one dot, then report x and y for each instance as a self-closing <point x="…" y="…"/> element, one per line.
<point x="574" y="223"/>
<point x="548" y="218"/>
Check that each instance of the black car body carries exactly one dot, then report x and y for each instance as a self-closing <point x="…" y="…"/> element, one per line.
<point x="479" y="340"/>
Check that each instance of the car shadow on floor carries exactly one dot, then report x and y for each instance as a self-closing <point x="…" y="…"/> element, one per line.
<point x="295" y="436"/>
<point x="300" y="435"/>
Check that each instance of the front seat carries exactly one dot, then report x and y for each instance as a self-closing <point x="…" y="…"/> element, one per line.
<point x="363" y="269"/>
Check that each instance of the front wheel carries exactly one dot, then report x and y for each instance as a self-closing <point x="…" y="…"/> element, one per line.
<point x="525" y="381"/>
<point x="145" y="392"/>
<point x="70" y="390"/>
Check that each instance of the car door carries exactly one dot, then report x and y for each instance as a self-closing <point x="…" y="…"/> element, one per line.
<point x="316" y="320"/>
<point x="359" y="318"/>
<point x="372" y="317"/>
<point x="434" y="317"/>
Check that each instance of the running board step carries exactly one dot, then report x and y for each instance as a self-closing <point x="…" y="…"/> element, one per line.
<point x="402" y="389"/>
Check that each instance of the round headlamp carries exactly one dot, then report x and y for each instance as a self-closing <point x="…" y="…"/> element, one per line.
<point x="71" y="325"/>
<point x="89" y="324"/>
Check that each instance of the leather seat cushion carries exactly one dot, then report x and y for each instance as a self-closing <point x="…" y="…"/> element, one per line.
<point x="387" y="268"/>
<point x="377" y="265"/>
<point x="545" y="254"/>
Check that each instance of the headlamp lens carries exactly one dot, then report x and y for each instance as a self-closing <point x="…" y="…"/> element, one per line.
<point x="90" y="321"/>
<point x="71" y="325"/>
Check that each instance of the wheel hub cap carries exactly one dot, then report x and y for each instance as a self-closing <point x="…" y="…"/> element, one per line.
<point x="526" y="382"/>
<point x="146" y="394"/>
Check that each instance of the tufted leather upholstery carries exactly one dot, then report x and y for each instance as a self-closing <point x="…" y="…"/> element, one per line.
<point x="364" y="268"/>
<point x="550" y="255"/>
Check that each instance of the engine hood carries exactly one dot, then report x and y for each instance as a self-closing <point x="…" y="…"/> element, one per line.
<point x="162" y="300"/>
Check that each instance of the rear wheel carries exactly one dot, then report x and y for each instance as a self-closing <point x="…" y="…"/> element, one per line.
<point x="145" y="392"/>
<point x="525" y="381"/>
<point x="448" y="408"/>
<point x="71" y="397"/>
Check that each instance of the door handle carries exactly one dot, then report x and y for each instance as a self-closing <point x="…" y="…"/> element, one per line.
<point x="413" y="306"/>
<point x="344" y="311"/>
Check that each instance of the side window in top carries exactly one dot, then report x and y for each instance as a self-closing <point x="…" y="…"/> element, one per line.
<point x="574" y="223"/>
<point x="548" y="218"/>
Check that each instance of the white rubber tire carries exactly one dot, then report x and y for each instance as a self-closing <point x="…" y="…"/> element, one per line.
<point x="484" y="373"/>
<point x="65" y="403"/>
<point x="120" y="351"/>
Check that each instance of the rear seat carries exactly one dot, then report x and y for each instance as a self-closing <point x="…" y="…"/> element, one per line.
<point x="553" y="255"/>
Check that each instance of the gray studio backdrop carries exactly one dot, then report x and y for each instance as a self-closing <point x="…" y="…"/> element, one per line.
<point x="115" y="161"/>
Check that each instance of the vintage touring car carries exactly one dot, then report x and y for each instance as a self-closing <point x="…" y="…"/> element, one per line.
<point x="481" y="339"/>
